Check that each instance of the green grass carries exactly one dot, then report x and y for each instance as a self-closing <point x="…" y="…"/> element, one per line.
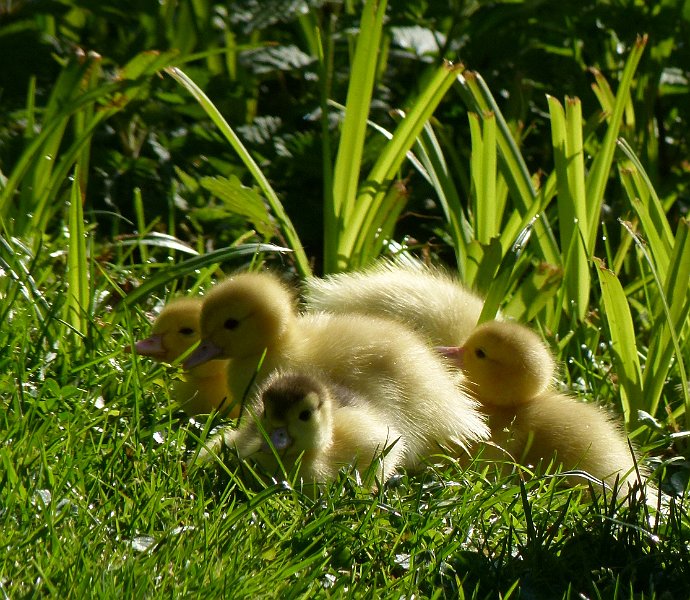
<point x="95" y="498"/>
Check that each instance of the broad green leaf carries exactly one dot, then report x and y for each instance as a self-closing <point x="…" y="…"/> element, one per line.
<point x="241" y="200"/>
<point x="619" y="321"/>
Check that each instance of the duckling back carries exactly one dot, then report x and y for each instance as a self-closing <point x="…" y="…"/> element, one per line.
<point x="425" y="299"/>
<point x="573" y="434"/>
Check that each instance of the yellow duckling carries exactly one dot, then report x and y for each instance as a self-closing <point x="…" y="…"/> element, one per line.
<point x="425" y="299"/>
<point x="176" y="330"/>
<point x="251" y="319"/>
<point x="510" y="372"/>
<point x="313" y="421"/>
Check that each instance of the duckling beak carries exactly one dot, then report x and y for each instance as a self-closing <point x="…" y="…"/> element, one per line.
<point x="280" y="438"/>
<point x="204" y="352"/>
<point x="151" y="346"/>
<point x="454" y="353"/>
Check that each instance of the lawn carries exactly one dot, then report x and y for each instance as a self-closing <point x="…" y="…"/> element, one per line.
<point x="149" y="148"/>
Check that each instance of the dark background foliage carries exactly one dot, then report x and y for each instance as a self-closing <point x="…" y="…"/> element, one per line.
<point x="257" y="63"/>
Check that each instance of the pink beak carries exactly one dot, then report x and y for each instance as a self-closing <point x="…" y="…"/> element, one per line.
<point x="204" y="352"/>
<point x="151" y="346"/>
<point x="454" y="353"/>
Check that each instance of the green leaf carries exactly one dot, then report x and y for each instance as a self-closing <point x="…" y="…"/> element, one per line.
<point x="487" y="218"/>
<point x="77" y="304"/>
<point x="281" y="216"/>
<point x="601" y="167"/>
<point x="370" y="211"/>
<point x="522" y="191"/>
<point x="348" y="160"/>
<point x="241" y="200"/>
<point x="671" y="322"/>
<point x="566" y="138"/>
<point x="623" y="342"/>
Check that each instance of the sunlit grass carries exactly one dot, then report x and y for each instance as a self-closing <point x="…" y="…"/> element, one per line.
<point x="95" y="499"/>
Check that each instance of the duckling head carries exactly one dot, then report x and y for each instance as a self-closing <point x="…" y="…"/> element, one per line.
<point x="243" y="316"/>
<point x="297" y="412"/>
<point x="506" y="363"/>
<point x="175" y="330"/>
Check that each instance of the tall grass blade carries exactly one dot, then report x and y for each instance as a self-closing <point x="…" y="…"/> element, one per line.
<point x="522" y="190"/>
<point x="505" y="274"/>
<point x="671" y="322"/>
<point x="601" y="167"/>
<point x="284" y="222"/>
<point x="369" y="211"/>
<point x="437" y="173"/>
<point x="566" y="138"/>
<point x="346" y="171"/>
<point x="646" y="204"/>
<point x="623" y="342"/>
<point x="487" y="218"/>
<point x="77" y="304"/>
<point x="187" y="267"/>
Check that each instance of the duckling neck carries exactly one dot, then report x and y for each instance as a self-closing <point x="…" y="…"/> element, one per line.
<point x="210" y="369"/>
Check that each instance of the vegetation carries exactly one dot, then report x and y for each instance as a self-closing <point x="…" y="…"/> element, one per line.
<point x="145" y="146"/>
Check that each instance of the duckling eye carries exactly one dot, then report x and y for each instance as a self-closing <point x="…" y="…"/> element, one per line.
<point x="305" y="415"/>
<point x="231" y="324"/>
<point x="186" y="331"/>
<point x="479" y="353"/>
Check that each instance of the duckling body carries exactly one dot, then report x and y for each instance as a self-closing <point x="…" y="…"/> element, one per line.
<point x="174" y="332"/>
<point x="427" y="300"/>
<point x="510" y="370"/>
<point x="310" y="419"/>
<point x="379" y="360"/>
<point x="559" y="429"/>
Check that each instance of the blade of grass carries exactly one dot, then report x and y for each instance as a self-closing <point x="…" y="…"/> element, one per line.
<point x="438" y="175"/>
<point x="649" y="209"/>
<point x="623" y="342"/>
<point x="566" y="138"/>
<point x="346" y="171"/>
<point x="366" y="217"/>
<point x="186" y="267"/>
<point x="601" y="167"/>
<point x="77" y="304"/>
<point x="671" y="321"/>
<point x="477" y="96"/>
<point x="284" y="222"/>
<point x="483" y="168"/>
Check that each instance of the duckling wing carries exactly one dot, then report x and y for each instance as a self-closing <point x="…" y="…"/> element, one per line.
<point x="427" y="300"/>
<point x="582" y="436"/>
